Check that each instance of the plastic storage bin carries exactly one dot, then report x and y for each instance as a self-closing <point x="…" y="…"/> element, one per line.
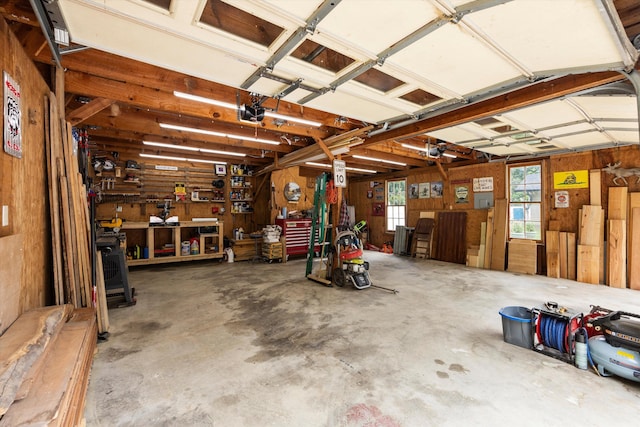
<point x="516" y="326"/>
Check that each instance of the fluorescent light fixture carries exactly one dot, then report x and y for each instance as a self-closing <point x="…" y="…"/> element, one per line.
<point x="205" y="100"/>
<point x="292" y="119"/>
<point x="322" y="165"/>
<point x="413" y="147"/>
<point x="220" y="134"/>
<point x="182" y="159"/>
<point x="201" y="150"/>
<point x="449" y="155"/>
<point x="235" y="107"/>
<point x="355" y="156"/>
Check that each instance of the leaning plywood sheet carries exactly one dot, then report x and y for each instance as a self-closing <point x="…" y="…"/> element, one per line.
<point x="23" y="343"/>
<point x="488" y="240"/>
<point x="634" y="255"/>
<point x="552" y="240"/>
<point x="590" y="225"/>
<point x="588" y="270"/>
<point x="617" y="254"/>
<point x="499" y="239"/>
<point x="617" y="203"/>
<point x="595" y="187"/>
<point x="634" y="202"/>
<point x="571" y="256"/>
<point x="10" y="279"/>
<point x="522" y="256"/>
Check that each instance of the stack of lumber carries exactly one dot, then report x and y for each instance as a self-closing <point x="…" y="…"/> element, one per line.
<point x="590" y="240"/>
<point x="617" y="237"/>
<point x="561" y="254"/>
<point x="522" y="256"/>
<point x="70" y="224"/>
<point x="46" y="357"/>
<point x="73" y="255"/>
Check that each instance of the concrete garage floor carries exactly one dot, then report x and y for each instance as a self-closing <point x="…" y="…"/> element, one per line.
<point x="241" y="344"/>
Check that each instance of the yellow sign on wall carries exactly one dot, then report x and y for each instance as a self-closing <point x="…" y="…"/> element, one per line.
<point x="571" y="179"/>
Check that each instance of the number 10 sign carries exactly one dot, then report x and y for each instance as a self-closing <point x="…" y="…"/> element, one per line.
<point x="340" y="173"/>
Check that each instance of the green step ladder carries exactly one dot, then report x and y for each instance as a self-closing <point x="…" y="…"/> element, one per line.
<point x="319" y="230"/>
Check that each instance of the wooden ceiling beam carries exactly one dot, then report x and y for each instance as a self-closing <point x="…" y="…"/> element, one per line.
<point x="141" y="125"/>
<point x="114" y="67"/>
<point x="148" y="98"/>
<point x="89" y="109"/>
<point x="530" y="95"/>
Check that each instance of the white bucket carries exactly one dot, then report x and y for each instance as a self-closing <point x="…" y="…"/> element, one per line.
<point x="186" y="246"/>
<point x="229" y="253"/>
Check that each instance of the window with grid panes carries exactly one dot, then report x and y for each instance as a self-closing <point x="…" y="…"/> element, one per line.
<point x="396" y="203"/>
<point x="525" y="201"/>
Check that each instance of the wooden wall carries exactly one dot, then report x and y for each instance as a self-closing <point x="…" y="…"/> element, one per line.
<point x="455" y="177"/>
<point x="162" y="184"/>
<point x="24" y="189"/>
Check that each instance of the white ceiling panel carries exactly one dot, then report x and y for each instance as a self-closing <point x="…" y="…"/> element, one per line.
<point x="550" y="34"/>
<point x="568" y="129"/>
<point x="625" y="137"/>
<point x="451" y="58"/>
<point x="504" y="150"/>
<point x="545" y="114"/>
<point x="618" y="106"/>
<point x="342" y="103"/>
<point x="585" y="140"/>
<point x="360" y="22"/>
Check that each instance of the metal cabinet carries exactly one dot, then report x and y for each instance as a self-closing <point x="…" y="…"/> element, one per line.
<point x="297" y="233"/>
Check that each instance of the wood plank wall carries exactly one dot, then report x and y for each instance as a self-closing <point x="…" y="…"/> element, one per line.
<point x="24" y="186"/>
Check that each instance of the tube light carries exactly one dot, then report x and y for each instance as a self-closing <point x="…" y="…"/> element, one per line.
<point x="292" y="119"/>
<point x="379" y="160"/>
<point x="188" y="148"/>
<point x="235" y="107"/>
<point x="182" y="159"/>
<point x="220" y="134"/>
<point x="322" y="165"/>
<point x="449" y="155"/>
<point x="413" y="147"/>
<point x="205" y="100"/>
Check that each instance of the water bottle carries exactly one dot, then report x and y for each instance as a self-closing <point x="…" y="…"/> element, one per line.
<point x="581" y="350"/>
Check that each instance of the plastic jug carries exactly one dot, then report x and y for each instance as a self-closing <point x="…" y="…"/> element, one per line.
<point x="195" y="246"/>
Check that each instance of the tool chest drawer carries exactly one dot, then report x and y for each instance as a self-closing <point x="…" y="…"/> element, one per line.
<point x="297" y="233"/>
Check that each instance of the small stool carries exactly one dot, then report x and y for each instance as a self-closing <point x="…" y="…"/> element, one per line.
<point x="257" y="255"/>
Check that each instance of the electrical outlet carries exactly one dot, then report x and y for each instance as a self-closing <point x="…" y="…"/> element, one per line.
<point x="118" y="208"/>
<point x="5" y="215"/>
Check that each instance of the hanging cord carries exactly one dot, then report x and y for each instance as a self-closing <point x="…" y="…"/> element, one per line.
<point x="332" y="193"/>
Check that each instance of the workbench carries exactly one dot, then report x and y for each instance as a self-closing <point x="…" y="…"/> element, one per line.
<point x="209" y="233"/>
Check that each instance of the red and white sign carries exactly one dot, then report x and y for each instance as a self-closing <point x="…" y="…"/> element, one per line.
<point x="562" y="199"/>
<point x="12" y="117"/>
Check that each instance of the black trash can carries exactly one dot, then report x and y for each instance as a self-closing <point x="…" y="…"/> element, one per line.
<point x="516" y="326"/>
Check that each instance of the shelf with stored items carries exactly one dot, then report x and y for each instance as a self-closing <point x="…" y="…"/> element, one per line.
<point x="165" y="242"/>
<point x="241" y="190"/>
